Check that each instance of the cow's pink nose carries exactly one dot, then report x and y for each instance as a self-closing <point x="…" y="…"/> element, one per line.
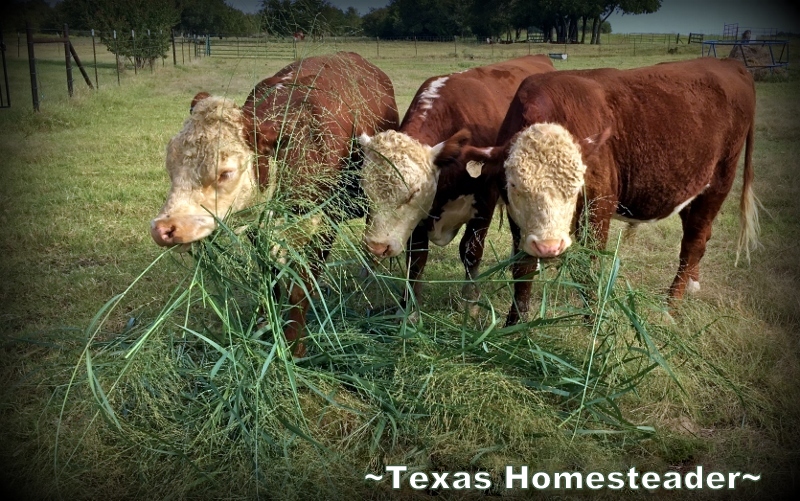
<point x="545" y="248"/>
<point x="377" y="249"/>
<point x="163" y="233"/>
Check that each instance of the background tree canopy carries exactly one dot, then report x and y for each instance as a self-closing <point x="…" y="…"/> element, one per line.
<point x="563" y="21"/>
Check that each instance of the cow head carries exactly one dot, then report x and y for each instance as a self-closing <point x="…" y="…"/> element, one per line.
<point x="545" y="168"/>
<point x="210" y="166"/>
<point x="399" y="177"/>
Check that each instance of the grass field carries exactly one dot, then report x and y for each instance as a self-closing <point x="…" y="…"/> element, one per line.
<point x="131" y="402"/>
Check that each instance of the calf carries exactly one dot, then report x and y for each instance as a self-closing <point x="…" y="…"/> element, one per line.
<point x="418" y="191"/>
<point x="638" y="145"/>
<point x="294" y="132"/>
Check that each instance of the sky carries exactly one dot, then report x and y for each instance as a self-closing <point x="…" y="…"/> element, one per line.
<point x="674" y="16"/>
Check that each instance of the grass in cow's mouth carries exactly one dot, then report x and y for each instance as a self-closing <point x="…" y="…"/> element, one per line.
<point x="213" y="372"/>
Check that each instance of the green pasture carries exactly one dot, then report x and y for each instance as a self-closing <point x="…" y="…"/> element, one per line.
<point x="136" y="373"/>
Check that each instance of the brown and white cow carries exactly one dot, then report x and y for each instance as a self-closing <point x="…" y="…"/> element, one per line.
<point x="638" y="144"/>
<point x="294" y="132"/>
<point x="418" y="192"/>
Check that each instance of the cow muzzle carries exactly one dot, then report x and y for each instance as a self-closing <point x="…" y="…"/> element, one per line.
<point x="382" y="249"/>
<point x="545" y="248"/>
<point x="167" y="232"/>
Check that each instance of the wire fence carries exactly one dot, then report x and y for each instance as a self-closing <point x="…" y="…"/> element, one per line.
<point x="107" y="57"/>
<point x="454" y="47"/>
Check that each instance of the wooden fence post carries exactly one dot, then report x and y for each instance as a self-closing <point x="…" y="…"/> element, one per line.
<point x="32" y="65"/>
<point x="7" y="102"/>
<point x="94" y="56"/>
<point x="133" y="41"/>
<point x="68" y="60"/>
<point x="116" y="54"/>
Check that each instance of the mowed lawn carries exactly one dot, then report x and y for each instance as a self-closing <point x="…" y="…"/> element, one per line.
<point x="84" y="176"/>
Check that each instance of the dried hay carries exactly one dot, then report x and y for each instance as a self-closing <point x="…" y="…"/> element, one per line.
<point x="758" y="60"/>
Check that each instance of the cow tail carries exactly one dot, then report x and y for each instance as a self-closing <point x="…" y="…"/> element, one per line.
<point x="748" y="207"/>
<point x="502" y="210"/>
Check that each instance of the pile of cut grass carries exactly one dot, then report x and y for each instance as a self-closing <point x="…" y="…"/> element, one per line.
<point x="209" y="385"/>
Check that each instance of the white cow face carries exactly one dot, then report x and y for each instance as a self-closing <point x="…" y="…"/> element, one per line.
<point x="545" y="175"/>
<point x="211" y="170"/>
<point x="399" y="179"/>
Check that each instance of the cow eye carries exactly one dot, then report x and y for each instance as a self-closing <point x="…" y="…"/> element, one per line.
<point x="225" y="175"/>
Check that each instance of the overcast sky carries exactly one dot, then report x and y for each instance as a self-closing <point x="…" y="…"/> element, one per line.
<point x="675" y="16"/>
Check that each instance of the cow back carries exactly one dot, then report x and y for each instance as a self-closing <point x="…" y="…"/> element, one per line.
<point x="307" y="114"/>
<point x="672" y="125"/>
<point x="476" y="99"/>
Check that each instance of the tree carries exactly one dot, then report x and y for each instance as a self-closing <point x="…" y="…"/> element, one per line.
<point x="315" y="17"/>
<point x="142" y="27"/>
<point x="381" y="22"/>
<point x="608" y="7"/>
<point x="36" y="12"/>
<point x="200" y="17"/>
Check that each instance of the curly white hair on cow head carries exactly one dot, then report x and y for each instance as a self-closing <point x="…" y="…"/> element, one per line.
<point x="545" y="172"/>
<point x="399" y="177"/>
<point x="210" y="166"/>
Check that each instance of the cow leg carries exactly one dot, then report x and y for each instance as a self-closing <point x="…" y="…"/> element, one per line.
<point x="416" y="259"/>
<point x="697" y="219"/>
<point x="522" y="270"/>
<point x="299" y="301"/>
<point x="471" y="251"/>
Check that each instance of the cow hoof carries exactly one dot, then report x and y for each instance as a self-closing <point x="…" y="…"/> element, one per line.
<point x="693" y="286"/>
<point x="474" y="310"/>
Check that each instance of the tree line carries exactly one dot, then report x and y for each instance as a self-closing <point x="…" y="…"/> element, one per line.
<point x="563" y="21"/>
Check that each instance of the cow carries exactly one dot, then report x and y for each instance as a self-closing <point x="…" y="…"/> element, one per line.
<point x="417" y="191"/>
<point x="638" y="145"/>
<point x="296" y="130"/>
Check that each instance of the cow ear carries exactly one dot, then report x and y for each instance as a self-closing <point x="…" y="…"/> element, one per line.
<point x="450" y="149"/>
<point x="364" y="140"/>
<point x="199" y="97"/>
<point x="591" y="144"/>
<point x="479" y="161"/>
<point x="266" y="139"/>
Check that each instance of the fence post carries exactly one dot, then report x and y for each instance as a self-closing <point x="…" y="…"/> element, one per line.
<point x="150" y="59"/>
<point x="378" y="46"/>
<point x="32" y="64"/>
<point x="133" y="41"/>
<point x="116" y="54"/>
<point x="455" y="44"/>
<point x="7" y="102"/>
<point x="174" y="53"/>
<point x="94" y="56"/>
<point x="68" y="60"/>
<point x="415" y="45"/>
